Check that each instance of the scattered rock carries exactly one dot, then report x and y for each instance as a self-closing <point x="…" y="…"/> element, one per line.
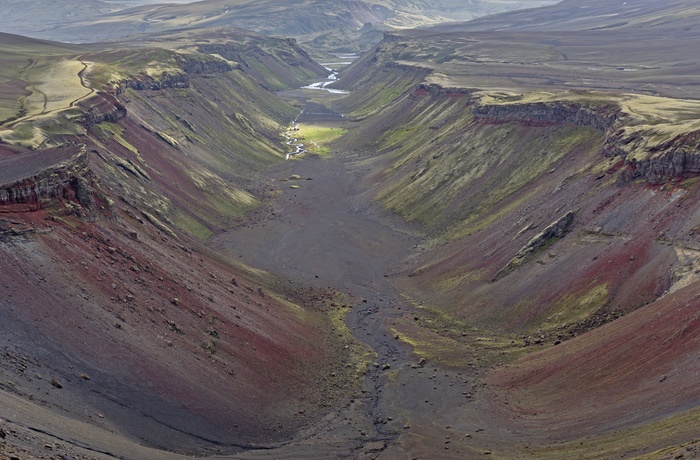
<point x="175" y="301"/>
<point x="84" y="376"/>
<point x="55" y="383"/>
<point x="174" y="327"/>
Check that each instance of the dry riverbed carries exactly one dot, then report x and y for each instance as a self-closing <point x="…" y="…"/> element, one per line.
<point x="321" y="232"/>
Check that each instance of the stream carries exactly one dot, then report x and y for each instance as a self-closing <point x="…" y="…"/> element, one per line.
<point x="346" y="59"/>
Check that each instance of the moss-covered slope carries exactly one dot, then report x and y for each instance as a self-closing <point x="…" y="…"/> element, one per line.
<point x="549" y="213"/>
<point x="116" y="315"/>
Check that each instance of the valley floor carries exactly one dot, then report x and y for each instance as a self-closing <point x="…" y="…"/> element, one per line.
<point x="325" y="235"/>
<point x="324" y="231"/>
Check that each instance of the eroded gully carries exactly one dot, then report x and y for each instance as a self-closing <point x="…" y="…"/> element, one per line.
<point x="324" y="234"/>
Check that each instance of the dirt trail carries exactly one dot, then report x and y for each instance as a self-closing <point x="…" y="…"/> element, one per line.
<point x="323" y="234"/>
<point x="68" y="104"/>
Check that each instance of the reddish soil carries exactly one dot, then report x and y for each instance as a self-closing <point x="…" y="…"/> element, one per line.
<point x="120" y="340"/>
<point x="609" y="381"/>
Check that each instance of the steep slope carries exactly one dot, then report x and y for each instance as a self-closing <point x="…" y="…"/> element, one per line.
<point x="551" y="212"/>
<point x="115" y="316"/>
<point x="550" y="310"/>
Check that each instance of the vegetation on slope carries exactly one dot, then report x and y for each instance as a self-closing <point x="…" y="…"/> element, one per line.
<point x="166" y="143"/>
<point x="551" y="212"/>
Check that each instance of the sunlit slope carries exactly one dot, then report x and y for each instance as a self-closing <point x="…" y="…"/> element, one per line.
<point x="122" y="319"/>
<point x="556" y="175"/>
<point x="31" y="69"/>
<point x="574" y="15"/>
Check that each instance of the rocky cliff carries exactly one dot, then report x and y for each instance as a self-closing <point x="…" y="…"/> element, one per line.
<point x="144" y="82"/>
<point x="647" y="152"/>
<point x="101" y="107"/>
<point x="653" y="158"/>
<point x="599" y="116"/>
<point x="204" y="66"/>
<point x="43" y="178"/>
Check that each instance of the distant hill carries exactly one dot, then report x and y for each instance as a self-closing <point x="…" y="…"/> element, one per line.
<point x="641" y="45"/>
<point x="581" y="15"/>
<point x="329" y="24"/>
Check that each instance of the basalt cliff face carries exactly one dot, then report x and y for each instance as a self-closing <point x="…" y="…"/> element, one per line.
<point x="552" y="113"/>
<point x="103" y="107"/>
<point x="38" y="180"/>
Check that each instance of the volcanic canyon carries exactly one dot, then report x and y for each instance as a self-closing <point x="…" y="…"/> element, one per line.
<point x="349" y="229"/>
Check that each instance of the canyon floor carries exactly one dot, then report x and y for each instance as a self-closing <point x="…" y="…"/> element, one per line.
<point x="325" y="234"/>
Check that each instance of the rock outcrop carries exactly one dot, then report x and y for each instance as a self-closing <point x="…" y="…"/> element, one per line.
<point x="101" y="107"/>
<point x="555" y="230"/>
<point x="39" y="179"/>
<point x="601" y="117"/>
<point x="655" y="163"/>
<point x="144" y="82"/>
<point x="204" y="66"/>
<point x="676" y="158"/>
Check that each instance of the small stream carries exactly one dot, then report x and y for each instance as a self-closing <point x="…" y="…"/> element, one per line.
<point x="290" y="139"/>
<point x="344" y="60"/>
<point x="293" y="141"/>
<point x="315" y="236"/>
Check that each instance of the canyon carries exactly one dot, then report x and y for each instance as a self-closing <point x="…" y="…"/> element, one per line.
<point x="490" y="246"/>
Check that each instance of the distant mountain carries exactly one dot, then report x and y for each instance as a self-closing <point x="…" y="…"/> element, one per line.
<point x="580" y="15"/>
<point x="330" y="24"/>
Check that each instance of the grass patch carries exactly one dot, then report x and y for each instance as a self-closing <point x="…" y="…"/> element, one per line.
<point x="576" y="307"/>
<point x="438" y="337"/>
<point x="116" y="131"/>
<point x="192" y="226"/>
<point x="317" y="137"/>
<point x="620" y="443"/>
